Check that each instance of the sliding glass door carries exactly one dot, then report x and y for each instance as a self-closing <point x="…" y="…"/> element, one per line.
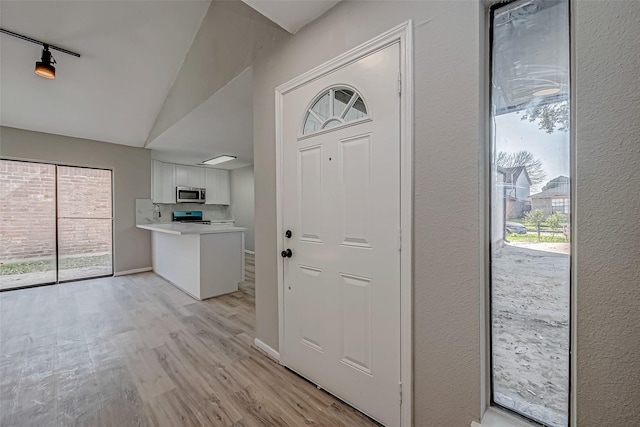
<point x="84" y="223"/>
<point x="27" y="224"/>
<point x="56" y="223"/>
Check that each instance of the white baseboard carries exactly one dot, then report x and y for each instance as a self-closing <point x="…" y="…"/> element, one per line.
<point x="247" y="251"/>
<point x="134" y="271"/>
<point x="266" y="349"/>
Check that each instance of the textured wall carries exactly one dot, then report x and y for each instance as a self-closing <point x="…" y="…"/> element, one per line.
<point x="447" y="233"/>
<point x="131" y="180"/>
<point x="607" y="101"/>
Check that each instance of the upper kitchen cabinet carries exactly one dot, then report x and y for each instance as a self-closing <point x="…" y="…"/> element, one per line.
<point x="167" y="176"/>
<point x="163" y="186"/>
<point x="190" y="176"/>
<point x="218" y="187"/>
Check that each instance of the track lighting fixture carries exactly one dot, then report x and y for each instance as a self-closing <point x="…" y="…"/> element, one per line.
<point x="44" y="67"/>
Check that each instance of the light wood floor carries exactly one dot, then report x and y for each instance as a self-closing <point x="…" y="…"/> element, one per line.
<point x="135" y="351"/>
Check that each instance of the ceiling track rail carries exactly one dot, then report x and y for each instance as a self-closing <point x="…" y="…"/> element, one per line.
<point x="29" y="39"/>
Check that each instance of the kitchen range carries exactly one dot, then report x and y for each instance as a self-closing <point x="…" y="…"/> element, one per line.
<point x="188" y="217"/>
<point x="202" y="259"/>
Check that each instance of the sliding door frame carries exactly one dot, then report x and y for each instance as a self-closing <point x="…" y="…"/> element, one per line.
<point x="57" y="217"/>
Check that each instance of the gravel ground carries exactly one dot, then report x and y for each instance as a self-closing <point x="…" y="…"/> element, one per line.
<point x="530" y="306"/>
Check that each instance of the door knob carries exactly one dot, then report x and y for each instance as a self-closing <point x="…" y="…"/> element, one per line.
<point x="286" y="254"/>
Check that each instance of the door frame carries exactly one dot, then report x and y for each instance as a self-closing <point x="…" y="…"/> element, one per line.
<point x="401" y="34"/>
<point x="57" y="258"/>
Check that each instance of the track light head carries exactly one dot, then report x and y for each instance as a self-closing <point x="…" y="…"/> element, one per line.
<point x="44" y="67"/>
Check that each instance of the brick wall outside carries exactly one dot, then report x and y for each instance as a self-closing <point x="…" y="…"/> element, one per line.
<point x="27" y="210"/>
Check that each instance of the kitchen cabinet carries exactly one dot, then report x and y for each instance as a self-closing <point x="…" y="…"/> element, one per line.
<point x="190" y="176"/>
<point x="165" y="177"/>
<point x="163" y="187"/>
<point x="218" y="187"/>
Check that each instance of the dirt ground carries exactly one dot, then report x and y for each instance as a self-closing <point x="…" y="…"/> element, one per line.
<point x="530" y="307"/>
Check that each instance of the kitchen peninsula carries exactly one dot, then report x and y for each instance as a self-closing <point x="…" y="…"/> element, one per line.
<point x="201" y="259"/>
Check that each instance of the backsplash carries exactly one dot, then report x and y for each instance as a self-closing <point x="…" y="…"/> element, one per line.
<point x="146" y="212"/>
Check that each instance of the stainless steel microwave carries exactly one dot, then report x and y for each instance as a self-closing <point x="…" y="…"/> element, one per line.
<point x="190" y="195"/>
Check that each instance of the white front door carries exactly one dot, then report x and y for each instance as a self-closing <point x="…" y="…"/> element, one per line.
<point x="341" y="202"/>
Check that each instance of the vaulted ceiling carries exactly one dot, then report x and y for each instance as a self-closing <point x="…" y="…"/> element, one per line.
<point x="292" y="15"/>
<point x="131" y="54"/>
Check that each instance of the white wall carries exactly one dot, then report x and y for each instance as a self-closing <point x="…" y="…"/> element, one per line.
<point x="448" y="68"/>
<point x="523" y="189"/>
<point x="131" y="180"/>
<point x="607" y="229"/>
<point x="242" y="202"/>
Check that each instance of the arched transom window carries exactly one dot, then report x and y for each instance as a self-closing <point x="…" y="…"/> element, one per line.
<point x="334" y="107"/>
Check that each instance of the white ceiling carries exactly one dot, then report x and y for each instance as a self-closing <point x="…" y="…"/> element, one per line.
<point x="131" y="52"/>
<point x="292" y="15"/>
<point x="223" y="124"/>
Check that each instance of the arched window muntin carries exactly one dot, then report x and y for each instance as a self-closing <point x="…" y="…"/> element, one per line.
<point x="320" y="117"/>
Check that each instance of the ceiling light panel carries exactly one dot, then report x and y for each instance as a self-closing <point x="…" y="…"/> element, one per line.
<point x="218" y="160"/>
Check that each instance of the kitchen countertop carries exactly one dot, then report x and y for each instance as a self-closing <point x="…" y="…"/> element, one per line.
<point x="181" y="228"/>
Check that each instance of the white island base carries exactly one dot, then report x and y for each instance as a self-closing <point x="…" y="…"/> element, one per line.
<point x="203" y="261"/>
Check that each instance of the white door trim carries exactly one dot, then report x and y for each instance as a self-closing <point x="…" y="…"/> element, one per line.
<point x="403" y="35"/>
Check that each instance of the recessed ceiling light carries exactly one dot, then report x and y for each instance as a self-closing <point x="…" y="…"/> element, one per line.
<point x="219" y="159"/>
<point x="547" y="91"/>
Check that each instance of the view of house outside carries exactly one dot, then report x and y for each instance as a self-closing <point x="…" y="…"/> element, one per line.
<point x="530" y="211"/>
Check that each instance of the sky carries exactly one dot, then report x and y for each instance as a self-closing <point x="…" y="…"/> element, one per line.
<point x="514" y="134"/>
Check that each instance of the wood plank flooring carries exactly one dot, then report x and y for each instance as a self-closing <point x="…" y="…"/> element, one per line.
<point x="135" y="351"/>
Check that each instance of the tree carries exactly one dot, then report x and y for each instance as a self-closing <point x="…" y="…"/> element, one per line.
<point x="526" y="159"/>
<point x="535" y="218"/>
<point x="555" y="220"/>
<point x="549" y="116"/>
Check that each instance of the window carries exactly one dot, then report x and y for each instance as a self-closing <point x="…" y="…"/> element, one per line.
<point x="332" y="108"/>
<point x="560" y="205"/>
<point x="530" y="255"/>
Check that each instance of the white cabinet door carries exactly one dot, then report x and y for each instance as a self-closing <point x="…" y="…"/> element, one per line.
<point x="211" y="179"/>
<point x="223" y="187"/>
<point x="190" y="176"/>
<point x="196" y="177"/>
<point x="218" y="188"/>
<point x="182" y="176"/>
<point x="163" y="187"/>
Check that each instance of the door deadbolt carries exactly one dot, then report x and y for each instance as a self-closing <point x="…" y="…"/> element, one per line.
<point x="288" y="234"/>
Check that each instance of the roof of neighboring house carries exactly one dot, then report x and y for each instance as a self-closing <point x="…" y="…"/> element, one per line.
<point x="562" y="190"/>
<point x="512" y="174"/>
